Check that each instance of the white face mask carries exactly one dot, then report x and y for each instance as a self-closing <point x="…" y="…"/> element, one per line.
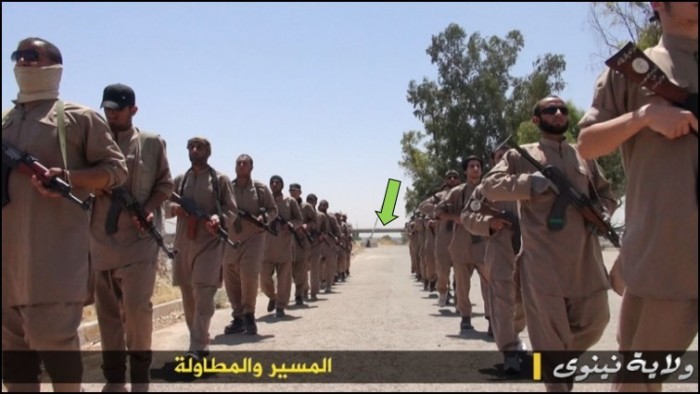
<point x="38" y="83"/>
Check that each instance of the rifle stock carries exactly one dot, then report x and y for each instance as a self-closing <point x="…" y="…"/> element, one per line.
<point x="566" y="195"/>
<point x="30" y="165"/>
<point x="189" y="206"/>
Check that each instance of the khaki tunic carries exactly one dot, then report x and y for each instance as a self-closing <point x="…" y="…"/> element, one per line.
<point x="505" y="300"/>
<point x="128" y="245"/>
<point x="499" y="256"/>
<point x="566" y="263"/>
<point x="659" y="255"/>
<point x="243" y="264"/>
<point x="247" y="199"/>
<point x="279" y="249"/>
<point x="467" y="252"/>
<point x="45" y="241"/>
<point x="199" y="260"/>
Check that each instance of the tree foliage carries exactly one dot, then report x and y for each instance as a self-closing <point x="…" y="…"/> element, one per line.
<point x="615" y="23"/>
<point x="472" y="105"/>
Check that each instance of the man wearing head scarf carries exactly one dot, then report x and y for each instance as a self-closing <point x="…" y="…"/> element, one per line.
<point x="46" y="238"/>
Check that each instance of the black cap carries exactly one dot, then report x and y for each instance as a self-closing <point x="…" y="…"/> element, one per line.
<point x="294" y="186"/>
<point x="118" y="96"/>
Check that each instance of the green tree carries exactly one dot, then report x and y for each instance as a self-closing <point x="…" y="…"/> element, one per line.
<point x="473" y="104"/>
<point x="615" y="23"/>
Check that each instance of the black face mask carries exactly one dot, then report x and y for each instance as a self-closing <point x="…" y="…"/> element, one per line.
<point x="552" y="129"/>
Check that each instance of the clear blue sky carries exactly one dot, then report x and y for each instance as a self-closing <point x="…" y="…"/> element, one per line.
<point x="313" y="92"/>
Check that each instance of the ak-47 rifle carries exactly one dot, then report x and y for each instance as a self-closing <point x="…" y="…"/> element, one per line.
<point x="294" y="229"/>
<point x="194" y="211"/>
<point x="567" y="194"/>
<point x="485" y="208"/>
<point x="252" y="219"/>
<point x="29" y="165"/>
<point x="631" y="62"/>
<point x="123" y="199"/>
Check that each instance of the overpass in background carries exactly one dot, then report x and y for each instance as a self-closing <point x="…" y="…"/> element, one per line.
<point x="377" y="230"/>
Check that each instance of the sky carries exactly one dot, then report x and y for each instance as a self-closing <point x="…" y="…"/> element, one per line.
<point x="314" y="92"/>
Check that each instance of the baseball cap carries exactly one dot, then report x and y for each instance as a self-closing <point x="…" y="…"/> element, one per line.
<point x="118" y="96"/>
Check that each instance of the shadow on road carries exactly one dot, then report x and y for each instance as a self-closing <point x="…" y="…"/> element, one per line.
<point x="238" y="339"/>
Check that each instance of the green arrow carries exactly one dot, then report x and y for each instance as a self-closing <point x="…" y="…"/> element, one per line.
<point x="392" y="194"/>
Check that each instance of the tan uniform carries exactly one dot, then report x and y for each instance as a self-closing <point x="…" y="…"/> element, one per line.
<point x="563" y="279"/>
<point x="342" y="248"/>
<point x="428" y="253"/>
<point x="659" y="255"/>
<point x="197" y="267"/>
<point x="467" y="252"/>
<point x="242" y="267"/>
<point x="279" y="253"/>
<point x="420" y="244"/>
<point x="45" y="241"/>
<point x="327" y="252"/>
<point x="331" y="259"/>
<point x="124" y="263"/>
<point x="506" y="307"/>
<point x="302" y="251"/>
<point x="443" y="237"/>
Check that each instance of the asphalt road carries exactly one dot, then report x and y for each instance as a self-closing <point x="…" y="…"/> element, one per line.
<point x="380" y="308"/>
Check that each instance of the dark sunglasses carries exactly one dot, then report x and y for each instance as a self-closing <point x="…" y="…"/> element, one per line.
<point x="553" y="110"/>
<point x="452" y="177"/>
<point x="29" y="55"/>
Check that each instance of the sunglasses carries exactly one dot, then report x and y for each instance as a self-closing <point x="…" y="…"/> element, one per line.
<point x="29" y="55"/>
<point x="452" y="177"/>
<point x="553" y="110"/>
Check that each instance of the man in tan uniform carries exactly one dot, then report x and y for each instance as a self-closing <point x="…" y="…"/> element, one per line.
<point x="564" y="282"/>
<point x="124" y="256"/>
<point x="279" y="250"/>
<point x="348" y="243"/>
<point x="467" y="250"/>
<point x="483" y="218"/>
<point x="659" y="255"/>
<point x="419" y="232"/>
<point x="197" y="267"/>
<point x="343" y="247"/>
<point x="45" y="241"/>
<point x="443" y="237"/>
<point x="330" y="255"/>
<point x="302" y="245"/>
<point x="242" y="265"/>
<point x="318" y="247"/>
<point x="427" y="208"/>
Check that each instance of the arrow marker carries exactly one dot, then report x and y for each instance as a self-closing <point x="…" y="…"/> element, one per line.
<point x="386" y="215"/>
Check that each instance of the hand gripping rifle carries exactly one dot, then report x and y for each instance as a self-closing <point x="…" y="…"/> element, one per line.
<point x="29" y="165"/>
<point x="189" y="206"/>
<point x="293" y="229"/>
<point x="631" y="62"/>
<point x="252" y="219"/>
<point x="122" y="198"/>
<point x="567" y="194"/>
<point x="485" y="208"/>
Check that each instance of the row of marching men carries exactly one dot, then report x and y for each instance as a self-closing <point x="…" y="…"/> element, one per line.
<point x="105" y="249"/>
<point x="448" y="232"/>
<point x="266" y="234"/>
